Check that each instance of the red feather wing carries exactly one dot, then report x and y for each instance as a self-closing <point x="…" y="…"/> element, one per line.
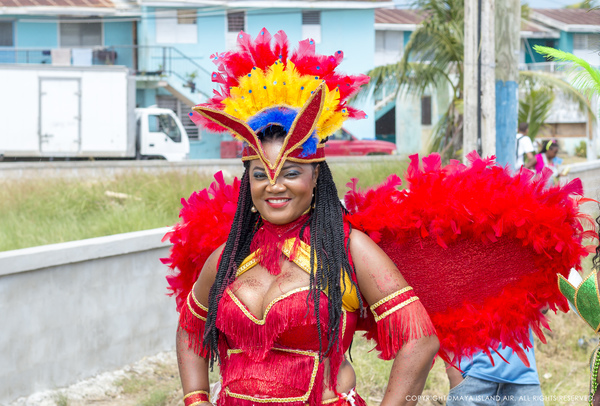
<point x="480" y="247"/>
<point x="206" y="219"/>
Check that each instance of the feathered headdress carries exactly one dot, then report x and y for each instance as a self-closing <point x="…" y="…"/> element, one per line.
<point x="265" y="83"/>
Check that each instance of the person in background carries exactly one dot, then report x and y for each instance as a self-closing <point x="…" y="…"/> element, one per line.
<point x="481" y="383"/>
<point x="547" y="159"/>
<point x="524" y="148"/>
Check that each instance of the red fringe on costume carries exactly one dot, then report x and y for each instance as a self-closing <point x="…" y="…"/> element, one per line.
<point x="480" y="246"/>
<point x="409" y="322"/>
<point x="194" y="326"/>
<point x="206" y="219"/>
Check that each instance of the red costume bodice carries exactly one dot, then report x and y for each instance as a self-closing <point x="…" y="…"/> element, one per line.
<point x="276" y="356"/>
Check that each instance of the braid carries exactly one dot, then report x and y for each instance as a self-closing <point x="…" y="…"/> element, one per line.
<point x="596" y="260"/>
<point x="235" y="251"/>
<point x="327" y="241"/>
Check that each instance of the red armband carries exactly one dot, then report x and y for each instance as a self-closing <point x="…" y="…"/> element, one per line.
<point x="192" y="319"/>
<point x="399" y="317"/>
<point x="196" y="398"/>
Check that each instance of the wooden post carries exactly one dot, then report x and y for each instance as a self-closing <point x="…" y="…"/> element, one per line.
<point x="508" y="27"/>
<point x="470" y="111"/>
<point x="479" y="79"/>
<point x="488" y="79"/>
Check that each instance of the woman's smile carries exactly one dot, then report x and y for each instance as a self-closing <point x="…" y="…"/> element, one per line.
<point x="278" y="202"/>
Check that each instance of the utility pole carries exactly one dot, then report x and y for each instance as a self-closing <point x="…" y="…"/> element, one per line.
<point x="508" y="29"/>
<point x="479" y="128"/>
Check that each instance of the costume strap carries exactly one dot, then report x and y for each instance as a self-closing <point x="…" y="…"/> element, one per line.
<point x="399" y="317"/>
<point x="192" y="319"/>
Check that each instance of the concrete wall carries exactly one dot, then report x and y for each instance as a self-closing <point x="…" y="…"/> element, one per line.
<point x="70" y="311"/>
<point x="589" y="173"/>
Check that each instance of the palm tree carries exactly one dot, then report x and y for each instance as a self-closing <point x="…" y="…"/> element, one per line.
<point x="433" y="59"/>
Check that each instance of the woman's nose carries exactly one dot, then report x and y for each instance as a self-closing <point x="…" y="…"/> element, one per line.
<point x="276" y="188"/>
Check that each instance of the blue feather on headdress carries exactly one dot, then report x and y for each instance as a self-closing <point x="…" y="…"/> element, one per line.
<point x="283" y="117"/>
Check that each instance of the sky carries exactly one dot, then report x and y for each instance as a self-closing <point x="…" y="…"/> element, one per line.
<point x="532" y="3"/>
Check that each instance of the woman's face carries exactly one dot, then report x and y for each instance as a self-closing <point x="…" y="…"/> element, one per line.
<point x="290" y="196"/>
<point x="551" y="153"/>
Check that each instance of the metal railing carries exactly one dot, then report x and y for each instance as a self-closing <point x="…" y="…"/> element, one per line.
<point x="148" y="61"/>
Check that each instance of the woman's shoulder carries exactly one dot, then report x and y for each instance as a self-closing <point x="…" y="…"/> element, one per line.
<point x="208" y="274"/>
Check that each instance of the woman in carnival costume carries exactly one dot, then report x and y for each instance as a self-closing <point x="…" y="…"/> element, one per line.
<point x="274" y="277"/>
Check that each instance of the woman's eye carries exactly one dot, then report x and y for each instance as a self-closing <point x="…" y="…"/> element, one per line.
<point x="292" y="174"/>
<point x="259" y="175"/>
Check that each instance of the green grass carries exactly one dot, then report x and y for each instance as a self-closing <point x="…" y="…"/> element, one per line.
<point x="61" y="399"/>
<point x="47" y="211"/>
<point x="158" y="397"/>
<point x="38" y="212"/>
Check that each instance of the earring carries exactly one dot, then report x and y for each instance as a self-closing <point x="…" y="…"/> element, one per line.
<point x="253" y="209"/>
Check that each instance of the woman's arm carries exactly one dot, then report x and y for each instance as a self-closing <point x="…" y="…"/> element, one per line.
<point x="193" y="368"/>
<point x="378" y="279"/>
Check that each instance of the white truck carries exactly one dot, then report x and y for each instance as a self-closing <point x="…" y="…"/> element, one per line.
<point x="82" y="112"/>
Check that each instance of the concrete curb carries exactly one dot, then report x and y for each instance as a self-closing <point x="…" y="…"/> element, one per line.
<point x="45" y="256"/>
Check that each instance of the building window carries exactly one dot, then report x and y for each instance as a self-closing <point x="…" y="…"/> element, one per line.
<point x="585" y="46"/>
<point x="586" y="41"/>
<point x="236" y="22"/>
<point x="186" y="16"/>
<point x="177" y="26"/>
<point x="426" y="110"/>
<point x="6" y="34"/>
<point x="311" y="25"/>
<point x="73" y="34"/>
<point x="389" y="46"/>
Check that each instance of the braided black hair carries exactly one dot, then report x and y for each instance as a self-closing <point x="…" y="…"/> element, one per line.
<point x="596" y="259"/>
<point x="328" y="247"/>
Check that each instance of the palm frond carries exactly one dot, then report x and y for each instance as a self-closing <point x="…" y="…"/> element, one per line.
<point x="586" y="80"/>
<point x="530" y="80"/>
<point x="535" y="108"/>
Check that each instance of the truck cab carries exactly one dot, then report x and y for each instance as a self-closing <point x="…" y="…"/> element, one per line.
<point x="160" y="134"/>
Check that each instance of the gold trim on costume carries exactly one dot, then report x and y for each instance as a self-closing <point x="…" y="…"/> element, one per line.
<point x="302" y="259"/>
<point x="303" y="398"/>
<point x="200" y="305"/>
<point x="192" y="309"/>
<point x="197" y="392"/>
<point x="247" y="264"/>
<point x="262" y="321"/>
<point x="393" y="309"/>
<point x="390" y="297"/>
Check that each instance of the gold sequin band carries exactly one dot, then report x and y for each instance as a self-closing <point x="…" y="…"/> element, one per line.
<point x="408" y="298"/>
<point x="196" y="308"/>
<point x="196" y="398"/>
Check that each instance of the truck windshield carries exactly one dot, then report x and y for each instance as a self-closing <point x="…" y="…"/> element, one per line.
<point x="164" y="123"/>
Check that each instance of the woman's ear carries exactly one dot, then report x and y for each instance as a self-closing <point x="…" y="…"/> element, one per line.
<point x="316" y="174"/>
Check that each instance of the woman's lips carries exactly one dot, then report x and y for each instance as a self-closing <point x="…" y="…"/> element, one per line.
<point x="278" y="203"/>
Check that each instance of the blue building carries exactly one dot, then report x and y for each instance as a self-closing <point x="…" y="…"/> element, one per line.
<point x="408" y="120"/>
<point x="167" y="45"/>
